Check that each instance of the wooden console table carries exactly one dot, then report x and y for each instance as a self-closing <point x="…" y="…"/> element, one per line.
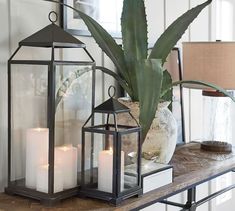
<point x="192" y="167"/>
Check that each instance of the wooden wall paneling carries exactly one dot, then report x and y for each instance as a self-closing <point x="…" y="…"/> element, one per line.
<point x="214" y="20"/>
<point x="224" y="19"/>
<point x="4" y="55"/>
<point x="173" y="10"/>
<point x="155" y="17"/>
<point x="201" y="22"/>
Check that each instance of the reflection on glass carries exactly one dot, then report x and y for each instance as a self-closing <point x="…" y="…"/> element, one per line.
<point x="129" y="147"/>
<point x="73" y="106"/>
<point x="29" y="132"/>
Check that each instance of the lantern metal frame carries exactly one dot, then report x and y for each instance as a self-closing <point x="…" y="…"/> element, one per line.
<point x="59" y="39"/>
<point x="117" y="196"/>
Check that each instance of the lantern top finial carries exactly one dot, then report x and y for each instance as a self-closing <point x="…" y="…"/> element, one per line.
<point x="50" y="16"/>
<point x="114" y="91"/>
<point x="111" y="105"/>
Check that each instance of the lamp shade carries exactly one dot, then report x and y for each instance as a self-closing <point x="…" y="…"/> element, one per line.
<point x="212" y="62"/>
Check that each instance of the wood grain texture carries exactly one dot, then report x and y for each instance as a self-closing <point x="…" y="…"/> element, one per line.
<point x="192" y="166"/>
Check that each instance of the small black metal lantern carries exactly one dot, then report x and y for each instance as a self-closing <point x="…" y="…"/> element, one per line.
<point x="45" y="96"/>
<point x="108" y="173"/>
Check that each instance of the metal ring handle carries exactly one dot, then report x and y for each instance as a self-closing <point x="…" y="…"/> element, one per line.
<point x="109" y="91"/>
<point x="50" y="16"/>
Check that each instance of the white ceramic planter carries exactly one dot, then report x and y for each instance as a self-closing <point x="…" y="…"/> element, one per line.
<point x="161" y="139"/>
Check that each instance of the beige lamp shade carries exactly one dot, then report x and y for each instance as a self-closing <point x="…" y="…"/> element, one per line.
<point x="212" y="62"/>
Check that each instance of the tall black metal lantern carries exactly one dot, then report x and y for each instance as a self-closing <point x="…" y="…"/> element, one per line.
<point x="109" y="171"/>
<point x="49" y="100"/>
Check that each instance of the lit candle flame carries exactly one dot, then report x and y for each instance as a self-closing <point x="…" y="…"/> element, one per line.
<point x="39" y="129"/>
<point x="45" y="166"/>
<point x="110" y="151"/>
<point x="66" y="147"/>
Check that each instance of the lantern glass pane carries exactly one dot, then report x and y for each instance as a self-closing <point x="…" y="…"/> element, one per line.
<point x="99" y="161"/>
<point x="129" y="143"/>
<point x="73" y="104"/>
<point x="34" y="53"/>
<point x="29" y="130"/>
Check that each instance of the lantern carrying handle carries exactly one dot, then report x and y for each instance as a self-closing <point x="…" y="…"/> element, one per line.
<point x="50" y="16"/>
<point x="114" y="91"/>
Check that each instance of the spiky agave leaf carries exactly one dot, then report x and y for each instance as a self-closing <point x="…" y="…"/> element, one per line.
<point x="149" y="81"/>
<point x="166" y="81"/>
<point x="134" y="37"/>
<point x="198" y="83"/>
<point x="174" y="32"/>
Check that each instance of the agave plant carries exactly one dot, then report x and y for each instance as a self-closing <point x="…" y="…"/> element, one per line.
<point x="142" y="75"/>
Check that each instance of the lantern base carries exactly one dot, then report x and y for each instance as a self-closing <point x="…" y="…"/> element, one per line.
<point x="44" y="198"/>
<point x="108" y="196"/>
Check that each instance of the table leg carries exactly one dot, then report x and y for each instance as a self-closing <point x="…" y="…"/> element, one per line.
<point x="191" y="202"/>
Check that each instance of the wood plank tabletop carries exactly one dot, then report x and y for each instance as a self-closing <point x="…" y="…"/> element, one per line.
<point x="192" y="166"/>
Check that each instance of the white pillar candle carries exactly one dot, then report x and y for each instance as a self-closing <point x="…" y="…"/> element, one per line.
<point x="66" y="159"/>
<point x="105" y="171"/>
<point x="42" y="179"/>
<point x="37" y="143"/>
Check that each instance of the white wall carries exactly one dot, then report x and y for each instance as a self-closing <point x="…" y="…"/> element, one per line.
<point x="4" y="54"/>
<point x="20" y="18"/>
